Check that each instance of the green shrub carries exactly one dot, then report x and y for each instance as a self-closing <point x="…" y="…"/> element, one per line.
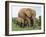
<point x="34" y="27"/>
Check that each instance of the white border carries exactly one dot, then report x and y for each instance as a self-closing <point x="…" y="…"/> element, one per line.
<point x="28" y="31"/>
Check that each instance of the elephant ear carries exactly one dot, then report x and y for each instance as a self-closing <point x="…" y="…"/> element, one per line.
<point x="33" y="13"/>
<point x="21" y="13"/>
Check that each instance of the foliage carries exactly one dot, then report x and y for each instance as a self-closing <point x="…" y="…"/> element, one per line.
<point x="39" y="20"/>
<point x="14" y="20"/>
<point x="34" y="27"/>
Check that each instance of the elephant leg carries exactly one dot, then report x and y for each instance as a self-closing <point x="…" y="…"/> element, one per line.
<point x="32" y="22"/>
<point x="20" y="24"/>
<point x="26" y="22"/>
<point x="29" y="22"/>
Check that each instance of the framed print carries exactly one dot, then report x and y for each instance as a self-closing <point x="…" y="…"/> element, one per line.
<point x="24" y="18"/>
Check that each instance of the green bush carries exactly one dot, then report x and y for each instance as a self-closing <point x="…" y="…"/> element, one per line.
<point x="39" y="20"/>
<point x="34" y="27"/>
<point x="14" y="20"/>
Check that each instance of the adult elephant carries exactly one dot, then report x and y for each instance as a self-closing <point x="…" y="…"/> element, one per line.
<point x="28" y="14"/>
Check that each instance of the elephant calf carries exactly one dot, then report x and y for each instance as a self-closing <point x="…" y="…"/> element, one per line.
<point x="20" y="22"/>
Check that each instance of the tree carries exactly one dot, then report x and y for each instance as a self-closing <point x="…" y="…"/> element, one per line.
<point x="39" y="20"/>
